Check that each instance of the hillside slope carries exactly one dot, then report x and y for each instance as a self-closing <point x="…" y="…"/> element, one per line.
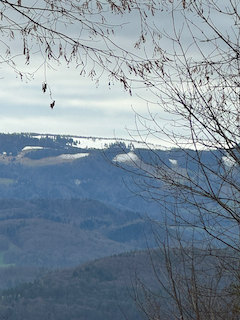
<point x="96" y="290"/>
<point x="56" y="168"/>
<point x="64" y="233"/>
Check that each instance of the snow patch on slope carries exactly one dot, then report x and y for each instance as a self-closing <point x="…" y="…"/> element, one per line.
<point x="129" y="158"/>
<point x="28" y="148"/>
<point x="228" y="161"/>
<point x="174" y="162"/>
<point x="72" y="156"/>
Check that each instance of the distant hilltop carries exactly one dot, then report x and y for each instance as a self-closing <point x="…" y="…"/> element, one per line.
<point x="96" y="142"/>
<point x="12" y="144"/>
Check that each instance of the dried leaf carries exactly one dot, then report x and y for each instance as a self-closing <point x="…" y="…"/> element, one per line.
<point x="12" y="34"/>
<point x="44" y="87"/>
<point x="52" y="104"/>
<point x="209" y="100"/>
<point x="8" y="52"/>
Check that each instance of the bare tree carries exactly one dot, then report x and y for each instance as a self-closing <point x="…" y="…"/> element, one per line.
<point x="202" y="91"/>
<point x="197" y="186"/>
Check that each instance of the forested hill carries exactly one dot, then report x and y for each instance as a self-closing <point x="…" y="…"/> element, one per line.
<point x="63" y="167"/>
<point x="60" y="167"/>
<point x="95" y="290"/>
<point x="63" y="202"/>
<point x="64" y="233"/>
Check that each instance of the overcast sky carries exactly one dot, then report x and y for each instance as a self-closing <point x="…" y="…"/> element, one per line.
<point x="81" y="108"/>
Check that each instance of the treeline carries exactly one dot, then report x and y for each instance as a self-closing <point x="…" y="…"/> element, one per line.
<point x="14" y="143"/>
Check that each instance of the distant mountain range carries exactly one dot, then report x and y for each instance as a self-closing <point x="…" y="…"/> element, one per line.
<point x="16" y="142"/>
<point x="62" y="205"/>
<point x="62" y="167"/>
<point x="65" y="200"/>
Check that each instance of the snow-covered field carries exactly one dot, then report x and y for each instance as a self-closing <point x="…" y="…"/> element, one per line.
<point x="99" y="143"/>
